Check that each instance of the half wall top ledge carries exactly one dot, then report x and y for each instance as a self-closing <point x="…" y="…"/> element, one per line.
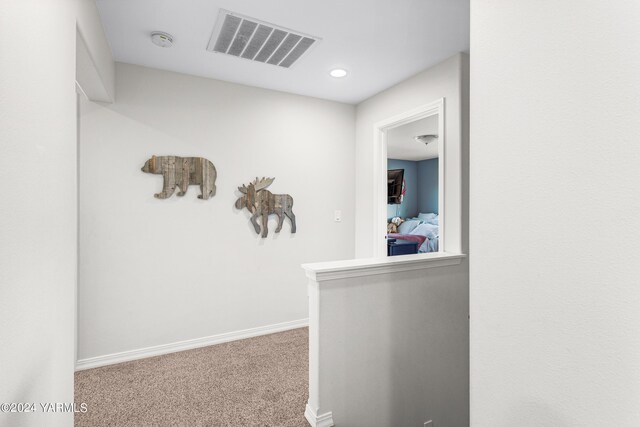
<point x="334" y="270"/>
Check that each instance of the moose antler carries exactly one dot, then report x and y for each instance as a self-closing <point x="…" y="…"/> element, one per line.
<point x="262" y="183"/>
<point x="243" y="189"/>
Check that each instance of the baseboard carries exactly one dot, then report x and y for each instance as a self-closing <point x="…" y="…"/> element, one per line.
<point x="126" y="356"/>
<point x="318" y="420"/>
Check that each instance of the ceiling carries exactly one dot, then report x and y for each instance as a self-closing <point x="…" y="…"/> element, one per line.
<point x="379" y="42"/>
<point x="402" y="146"/>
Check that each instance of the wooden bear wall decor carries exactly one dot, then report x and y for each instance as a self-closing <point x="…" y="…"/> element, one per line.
<point x="183" y="172"/>
<point x="261" y="202"/>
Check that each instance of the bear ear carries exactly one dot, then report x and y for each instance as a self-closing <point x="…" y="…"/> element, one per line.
<point x="153" y="164"/>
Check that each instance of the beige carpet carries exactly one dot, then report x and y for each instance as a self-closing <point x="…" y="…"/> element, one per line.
<point x="260" y="381"/>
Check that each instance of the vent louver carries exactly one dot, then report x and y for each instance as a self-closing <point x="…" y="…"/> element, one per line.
<point x="252" y="39"/>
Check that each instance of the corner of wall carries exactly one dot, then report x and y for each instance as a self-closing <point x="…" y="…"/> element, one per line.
<point x="465" y="90"/>
<point x="95" y="72"/>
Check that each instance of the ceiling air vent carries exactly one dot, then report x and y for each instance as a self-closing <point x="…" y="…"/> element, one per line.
<point x="252" y="39"/>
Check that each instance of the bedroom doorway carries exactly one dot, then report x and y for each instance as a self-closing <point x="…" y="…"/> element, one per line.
<point x="409" y="183"/>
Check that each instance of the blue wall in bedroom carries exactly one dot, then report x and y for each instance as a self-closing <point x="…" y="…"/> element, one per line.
<point x="409" y="206"/>
<point x="428" y="185"/>
<point x="422" y="188"/>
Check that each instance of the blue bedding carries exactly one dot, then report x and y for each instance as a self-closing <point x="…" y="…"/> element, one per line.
<point x="431" y="232"/>
<point x="425" y="224"/>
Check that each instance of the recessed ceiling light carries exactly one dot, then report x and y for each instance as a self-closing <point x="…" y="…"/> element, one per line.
<point x="338" y="72"/>
<point x="162" y="39"/>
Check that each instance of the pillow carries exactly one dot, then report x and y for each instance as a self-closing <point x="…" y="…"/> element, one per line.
<point x="428" y="230"/>
<point x="434" y="221"/>
<point x="408" y="226"/>
<point x="427" y="217"/>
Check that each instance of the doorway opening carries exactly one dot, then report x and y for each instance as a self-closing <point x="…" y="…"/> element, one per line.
<point x="409" y="183"/>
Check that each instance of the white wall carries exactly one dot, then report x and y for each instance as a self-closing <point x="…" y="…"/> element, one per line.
<point x="390" y="349"/>
<point x="155" y="272"/>
<point x="94" y="48"/>
<point x="38" y="209"/>
<point x="393" y="349"/>
<point x="441" y="81"/>
<point x="555" y="295"/>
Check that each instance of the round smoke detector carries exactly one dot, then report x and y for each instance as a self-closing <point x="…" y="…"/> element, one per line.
<point x="162" y="39"/>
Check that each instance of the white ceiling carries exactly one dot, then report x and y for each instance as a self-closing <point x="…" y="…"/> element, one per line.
<point x="402" y="146"/>
<point x="380" y="42"/>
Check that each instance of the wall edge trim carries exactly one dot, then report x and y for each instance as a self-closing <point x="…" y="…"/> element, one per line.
<point x="336" y="270"/>
<point x="158" y="350"/>
<point x="318" y="420"/>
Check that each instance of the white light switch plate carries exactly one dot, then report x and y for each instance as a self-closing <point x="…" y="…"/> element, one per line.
<point x="337" y="216"/>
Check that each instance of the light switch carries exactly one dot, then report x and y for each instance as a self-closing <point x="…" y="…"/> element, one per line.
<point x="337" y="216"/>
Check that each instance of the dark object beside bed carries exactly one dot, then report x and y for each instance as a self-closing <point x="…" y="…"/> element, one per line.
<point x="402" y="247"/>
<point x="395" y="178"/>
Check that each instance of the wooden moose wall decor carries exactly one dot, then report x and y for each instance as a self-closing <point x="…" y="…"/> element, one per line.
<point x="261" y="202"/>
<point x="183" y="172"/>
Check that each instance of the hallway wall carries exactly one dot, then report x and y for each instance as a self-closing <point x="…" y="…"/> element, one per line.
<point x="555" y="324"/>
<point x="157" y="272"/>
<point x="38" y="229"/>
<point x="444" y="80"/>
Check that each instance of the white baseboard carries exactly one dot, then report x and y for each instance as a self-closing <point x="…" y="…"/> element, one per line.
<point x="141" y="353"/>
<point x="318" y="420"/>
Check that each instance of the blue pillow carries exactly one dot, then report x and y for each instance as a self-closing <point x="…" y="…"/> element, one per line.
<point x="408" y="226"/>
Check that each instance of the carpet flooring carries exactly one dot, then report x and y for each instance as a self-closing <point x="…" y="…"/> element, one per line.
<point x="261" y="381"/>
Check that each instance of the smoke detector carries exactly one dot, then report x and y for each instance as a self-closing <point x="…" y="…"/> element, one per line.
<point x="249" y="38"/>
<point x="162" y="39"/>
<point x="425" y="139"/>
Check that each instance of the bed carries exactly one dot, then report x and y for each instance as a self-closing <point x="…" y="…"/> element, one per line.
<point x="423" y="229"/>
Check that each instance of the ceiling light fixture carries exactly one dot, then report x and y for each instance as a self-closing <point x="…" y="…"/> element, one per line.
<point x="425" y="139"/>
<point x="338" y="73"/>
<point x="162" y="39"/>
